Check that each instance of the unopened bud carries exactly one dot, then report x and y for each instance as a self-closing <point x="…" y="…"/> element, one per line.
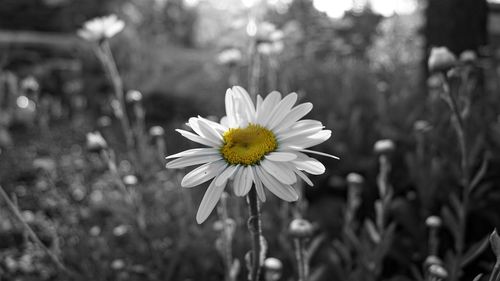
<point x="273" y="269"/>
<point x="156" y="131"/>
<point x="441" y="59"/>
<point x="104" y="121"/>
<point x="96" y="142"/>
<point x="385" y="146"/>
<point x="118" y="264"/>
<point x="133" y="96"/>
<point x="130" y="180"/>
<point x="433" y="221"/>
<point x="421" y="126"/>
<point x="468" y="56"/>
<point x="301" y="228"/>
<point x="438" y="271"/>
<point x="355" y="178"/>
<point x="432" y="260"/>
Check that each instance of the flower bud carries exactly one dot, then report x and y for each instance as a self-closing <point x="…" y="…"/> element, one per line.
<point x="229" y="56"/>
<point x="438" y="271"/>
<point x="156" y="131"/>
<point x="133" y="96"/>
<point x="432" y="260"/>
<point x="385" y="146"/>
<point x="441" y="59"/>
<point x="118" y="264"/>
<point x="273" y="269"/>
<point x="96" y="142"/>
<point x="433" y="222"/>
<point x="468" y="56"/>
<point x="421" y="126"/>
<point x="104" y="121"/>
<point x="300" y="228"/>
<point x="354" y="178"/>
<point x="130" y="180"/>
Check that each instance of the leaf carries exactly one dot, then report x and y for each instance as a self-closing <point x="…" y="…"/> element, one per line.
<point x="474" y="251"/>
<point x="315" y="244"/>
<point x="372" y="231"/>
<point x="478" y="277"/>
<point x="450" y="221"/>
<point x="495" y="243"/>
<point x="479" y="174"/>
<point x="456" y="204"/>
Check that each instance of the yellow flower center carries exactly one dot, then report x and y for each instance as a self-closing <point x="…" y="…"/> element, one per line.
<point x="247" y="146"/>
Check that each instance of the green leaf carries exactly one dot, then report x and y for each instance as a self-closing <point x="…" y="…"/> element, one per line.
<point x="474" y="251"/>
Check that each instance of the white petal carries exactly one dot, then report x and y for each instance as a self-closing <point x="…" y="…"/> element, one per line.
<point x="281" y="110"/>
<point x="267" y="106"/>
<point x="300" y="126"/>
<point x="303" y="176"/>
<point x="320" y="153"/>
<point x="258" y="184"/>
<point x="295" y="114"/>
<point x="242" y="181"/>
<point x="191" y="161"/>
<point x="281" y="156"/>
<point x="279" y="171"/>
<point x="194" y="152"/>
<point x="216" y="126"/>
<point x="224" y="121"/>
<point x="224" y="177"/>
<point x="209" y="201"/>
<point x="294" y="134"/>
<point x="203" y="173"/>
<point x="311" y="166"/>
<point x="283" y="191"/>
<point x="230" y="110"/>
<point x="307" y="141"/>
<point x="246" y="102"/>
<point x="238" y="180"/>
<point x="209" y="132"/>
<point x="196" y="138"/>
<point x="247" y="180"/>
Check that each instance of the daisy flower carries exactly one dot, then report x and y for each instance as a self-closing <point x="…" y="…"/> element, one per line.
<point x="263" y="145"/>
<point x="101" y="28"/>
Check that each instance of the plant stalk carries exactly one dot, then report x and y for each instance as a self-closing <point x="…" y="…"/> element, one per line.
<point x="255" y="229"/>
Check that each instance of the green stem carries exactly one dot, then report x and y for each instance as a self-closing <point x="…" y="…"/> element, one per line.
<point x="301" y="260"/>
<point x="106" y="57"/>
<point x="464" y="179"/>
<point x="255" y="229"/>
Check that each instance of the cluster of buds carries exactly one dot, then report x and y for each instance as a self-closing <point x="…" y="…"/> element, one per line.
<point x="100" y="29"/>
<point x="268" y="39"/>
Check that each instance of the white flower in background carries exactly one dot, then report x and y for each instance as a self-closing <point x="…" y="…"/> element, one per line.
<point x="101" y="28"/>
<point x="441" y="59"/>
<point x="264" y="145"/>
<point x="229" y="56"/>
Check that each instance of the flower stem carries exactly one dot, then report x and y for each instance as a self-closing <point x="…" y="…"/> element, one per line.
<point x="226" y="238"/>
<point x="32" y="234"/>
<point x="458" y="122"/>
<point x="255" y="229"/>
<point x="106" y="57"/>
<point x="301" y="259"/>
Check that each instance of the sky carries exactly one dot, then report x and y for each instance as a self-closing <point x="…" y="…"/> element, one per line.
<point x="336" y="8"/>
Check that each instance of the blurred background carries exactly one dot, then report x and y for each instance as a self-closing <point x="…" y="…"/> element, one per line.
<point x="362" y="63"/>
